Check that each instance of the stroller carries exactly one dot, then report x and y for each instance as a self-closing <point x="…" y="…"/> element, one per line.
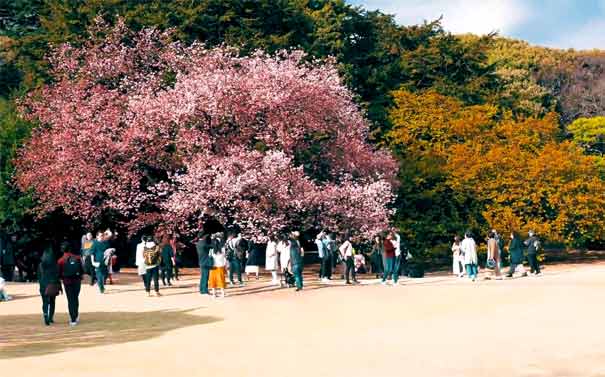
<point x="288" y="279"/>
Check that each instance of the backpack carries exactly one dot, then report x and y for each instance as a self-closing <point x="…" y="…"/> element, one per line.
<point x="151" y="255"/>
<point x="72" y="268"/>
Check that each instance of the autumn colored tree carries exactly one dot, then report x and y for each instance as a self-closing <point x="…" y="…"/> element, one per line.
<point x="503" y="173"/>
<point x="589" y="133"/>
<point x="158" y="133"/>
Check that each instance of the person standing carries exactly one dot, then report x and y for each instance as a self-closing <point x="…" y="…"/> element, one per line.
<point x="469" y="248"/>
<point x="321" y="252"/>
<point x="98" y="260"/>
<point x="296" y="259"/>
<point x="327" y="260"/>
<point x="389" y="259"/>
<point x="216" y="279"/>
<point x="253" y="260"/>
<point x="376" y="258"/>
<point x="232" y="253"/>
<point x="167" y="261"/>
<point x="203" y="247"/>
<point x="283" y="250"/>
<point x="457" y="258"/>
<point x="271" y="260"/>
<point x="515" y="249"/>
<point x="533" y="246"/>
<point x="71" y="271"/>
<point x="398" y="257"/>
<point x="177" y="255"/>
<point x="7" y="257"/>
<point x="50" y="286"/>
<point x="140" y="258"/>
<point x="86" y="249"/>
<point x="152" y="258"/>
<point x="347" y="254"/>
<point x="493" y="254"/>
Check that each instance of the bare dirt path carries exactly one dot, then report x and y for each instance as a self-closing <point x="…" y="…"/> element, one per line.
<point x="437" y="326"/>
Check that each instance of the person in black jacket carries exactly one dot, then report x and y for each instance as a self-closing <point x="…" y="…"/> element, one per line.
<point x="203" y="247"/>
<point x="50" y="287"/>
<point x="167" y="257"/>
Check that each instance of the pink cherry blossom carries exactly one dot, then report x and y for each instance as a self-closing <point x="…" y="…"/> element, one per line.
<point x="159" y="133"/>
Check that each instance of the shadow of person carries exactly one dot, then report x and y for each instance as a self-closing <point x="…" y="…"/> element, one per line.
<point x="26" y="335"/>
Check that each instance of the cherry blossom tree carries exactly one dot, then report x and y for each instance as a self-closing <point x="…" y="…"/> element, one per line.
<point x="158" y="133"/>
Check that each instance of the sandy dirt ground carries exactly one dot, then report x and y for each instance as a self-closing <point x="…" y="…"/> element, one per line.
<point x="437" y="326"/>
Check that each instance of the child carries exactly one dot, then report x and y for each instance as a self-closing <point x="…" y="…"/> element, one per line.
<point x="216" y="280"/>
<point x="3" y="295"/>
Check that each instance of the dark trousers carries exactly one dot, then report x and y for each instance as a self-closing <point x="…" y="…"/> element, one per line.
<point x="298" y="277"/>
<point x="204" y="274"/>
<point x="350" y="269"/>
<point x="101" y="274"/>
<point x="152" y="273"/>
<point x="72" y="292"/>
<point x="48" y="306"/>
<point x="326" y="267"/>
<point x="176" y="271"/>
<point x="533" y="263"/>
<point x="235" y="267"/>
<point x="396" y="268"/>
<point x="8" y="271"/>
<point x="166" y="274"/>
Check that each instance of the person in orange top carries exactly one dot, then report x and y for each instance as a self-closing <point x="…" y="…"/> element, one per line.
<point x="71" y="271"/>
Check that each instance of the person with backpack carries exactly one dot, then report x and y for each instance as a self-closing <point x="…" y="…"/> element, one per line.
<point x="71" y="271"/>
<point x="152" y="258"/>
<point x="233" y="254"/>
<point x="50" y="286"/>
<point x="533" y="246"/>
<point x="203" y="248"/>
<point x="296" y="259"/>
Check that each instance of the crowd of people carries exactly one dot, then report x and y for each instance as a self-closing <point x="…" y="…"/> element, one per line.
<point x="465" y="256"/>
<point x="225" y="258"/>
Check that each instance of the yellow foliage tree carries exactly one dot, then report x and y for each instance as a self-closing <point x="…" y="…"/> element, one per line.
<point x="513" y="174"/>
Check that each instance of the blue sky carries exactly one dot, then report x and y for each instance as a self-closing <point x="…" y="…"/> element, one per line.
<point x="578" y="24"/>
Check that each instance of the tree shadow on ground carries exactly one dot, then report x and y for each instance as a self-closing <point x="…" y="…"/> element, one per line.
<point x="26" y="335"/>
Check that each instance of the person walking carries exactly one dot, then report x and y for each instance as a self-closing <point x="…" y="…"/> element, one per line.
<point x="7" y="257"/>
<point x="86" y="249"/>
<point x="167" y="261"/>
<point x="389" y="259"/>
<point x="515" y="249"/>
<point x="152" y="258"/>
<point x="457" y="258"/>
<point x="327" y="259"/>
<point x="71" y="271"/>
<point x="469" y="248"/>
<point x="296" y="259"/>
<point x="347" y="254"/>
<point x="98" y="260"/>
<point x="50" y="286"/>
<point x="216" y="279"/>
<point x="533" y="246"/>
<point x="203" y="247"/>
<point x="396" y="240"/>
<point x="271" y="260"/>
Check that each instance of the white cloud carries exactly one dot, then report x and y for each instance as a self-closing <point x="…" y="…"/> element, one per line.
<point x="459" y="16"/>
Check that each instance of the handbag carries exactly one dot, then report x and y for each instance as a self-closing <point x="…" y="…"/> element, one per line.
<point x="52" y="290"/>
<point x="491" y="263"/>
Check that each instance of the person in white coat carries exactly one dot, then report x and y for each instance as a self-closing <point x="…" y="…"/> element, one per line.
<point x="146" y="242"/>
<point x="457" y="258"/>
<point x="271" y="260"/>
<point x="283" y="249"/>
<point x="469" y="248"/>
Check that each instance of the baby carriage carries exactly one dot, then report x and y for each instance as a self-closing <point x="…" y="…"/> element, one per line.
<point x="289" y="279"/>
